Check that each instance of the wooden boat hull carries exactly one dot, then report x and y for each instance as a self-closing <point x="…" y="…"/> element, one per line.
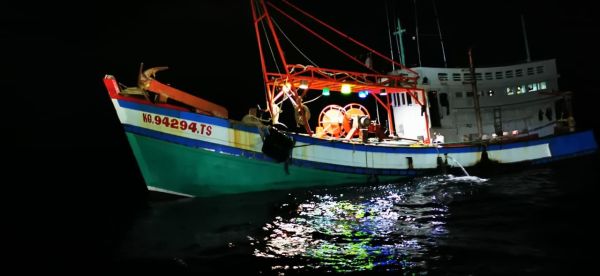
<point x="190" y="154"/>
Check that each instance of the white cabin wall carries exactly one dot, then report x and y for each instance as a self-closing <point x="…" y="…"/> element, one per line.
<point x="408" y="122"/>
<point x="519" y="111"/>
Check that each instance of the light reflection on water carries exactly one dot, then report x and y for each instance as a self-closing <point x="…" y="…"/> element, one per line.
<point x="387" y="227"/>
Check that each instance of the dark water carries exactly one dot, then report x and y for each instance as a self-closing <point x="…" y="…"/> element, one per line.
<point x="536" y="221"/>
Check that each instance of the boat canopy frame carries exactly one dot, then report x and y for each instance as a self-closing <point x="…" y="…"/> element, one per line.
<point x="289" y="82"/>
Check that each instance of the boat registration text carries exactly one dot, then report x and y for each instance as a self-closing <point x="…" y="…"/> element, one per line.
<point x="176" y="123"/>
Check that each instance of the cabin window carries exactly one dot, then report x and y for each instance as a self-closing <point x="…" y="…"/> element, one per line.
<point x="425" y="80"/>
<point x="488" y="76"/>
<point x="442" y="76"/>
<point x="539" y="69"/>
<point x="478" y="76"/>
<point x="458" y="94"/>
<point x="456" y="77"/>
<point x="510" y="91"/>
<point x="521" y="89"/>
<point x="469" y="94"/>
<point x="467" y="77"/>
<point x="498" y="75"/>
<point x="408" y="99"/>
<point x="509" y="74"/>
<point x="529" y="70"/>
<point x="540" y="115"/>
<point x="519" y="72"/>
<point x="536" y="86"/>
<point x="395" y="99"/>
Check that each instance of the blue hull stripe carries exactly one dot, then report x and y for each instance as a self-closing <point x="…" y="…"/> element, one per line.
<point x="559" y="145"/>
<point x="300" y="138"/>
<point x="260" y="156"/>
<point x="569" y="144"/>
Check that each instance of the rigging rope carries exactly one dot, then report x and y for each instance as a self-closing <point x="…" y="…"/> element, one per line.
<point x="312" y="100"/>
<point x="262" y="23"/>
<point x="296" y="47"/>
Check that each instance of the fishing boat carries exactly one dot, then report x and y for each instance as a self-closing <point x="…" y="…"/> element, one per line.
<point x="189" y="146"/>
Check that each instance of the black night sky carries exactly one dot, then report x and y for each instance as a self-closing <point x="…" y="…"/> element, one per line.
<point x="59" y="52"/>
<point x="64" y="129"/>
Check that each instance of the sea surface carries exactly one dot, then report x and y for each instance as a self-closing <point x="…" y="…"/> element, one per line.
<point x="538" y="221"/>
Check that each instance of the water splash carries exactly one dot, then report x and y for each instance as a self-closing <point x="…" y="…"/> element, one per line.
<point x="457" y="163"/>
<point x="466" y="178"/>
<point x="387" y="227"/>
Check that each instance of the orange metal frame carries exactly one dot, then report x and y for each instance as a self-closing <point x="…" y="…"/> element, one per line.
<point x="199" y="104"/>
<point x="319" y="78"/>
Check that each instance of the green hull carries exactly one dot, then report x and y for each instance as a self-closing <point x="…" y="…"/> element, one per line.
<point x="199" y="172"/>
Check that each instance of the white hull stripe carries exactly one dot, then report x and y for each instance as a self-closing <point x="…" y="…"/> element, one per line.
<point x="222" y="132"/>
<point x="514" y="155"/>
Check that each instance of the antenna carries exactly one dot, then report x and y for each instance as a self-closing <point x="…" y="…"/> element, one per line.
<point x="525" y="38"/>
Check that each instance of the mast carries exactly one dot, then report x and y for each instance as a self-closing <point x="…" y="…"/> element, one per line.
<point x="525" y="38"/>
<point x="387" y="20"/>
<point x="475" y="95"/>
<point x="417" y="32"/>
<point x="437" y="20"/>
<point x="400" y="41"/>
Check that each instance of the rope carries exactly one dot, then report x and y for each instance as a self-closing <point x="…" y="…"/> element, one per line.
<point x="257" y="118"/>
<point x="288" y="39"/>
<point x="316" y="98"/>
<point x="262" y="23"/>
